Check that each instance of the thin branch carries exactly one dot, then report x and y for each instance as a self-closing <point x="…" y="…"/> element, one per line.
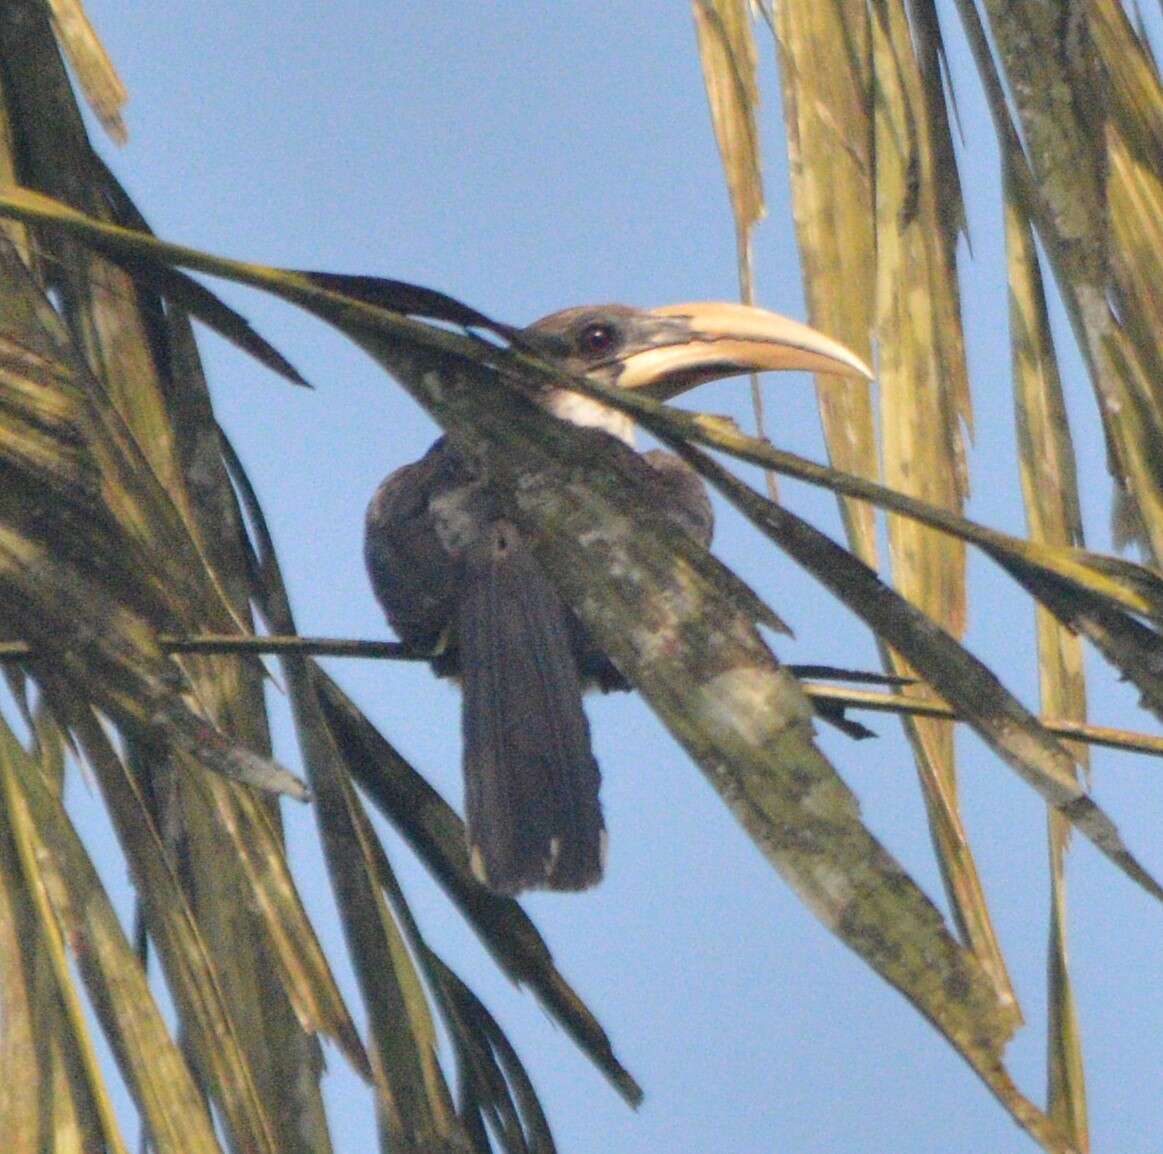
<point x="275" y="643"/>
<point x="279" y="644"/>
<point x="205" y="643"/>
<point x="272" y="643"/>
<point x="930" y="707"/>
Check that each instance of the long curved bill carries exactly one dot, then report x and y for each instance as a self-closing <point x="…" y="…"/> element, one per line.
<point x="705" y="340"/>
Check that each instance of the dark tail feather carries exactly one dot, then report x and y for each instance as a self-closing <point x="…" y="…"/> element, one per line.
<point x="531" y="781"/>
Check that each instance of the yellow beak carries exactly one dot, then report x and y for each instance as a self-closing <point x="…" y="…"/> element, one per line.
<point x="713" y="339"/>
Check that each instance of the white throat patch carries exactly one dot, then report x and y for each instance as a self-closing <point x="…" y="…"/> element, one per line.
<point x="590" y="414"/>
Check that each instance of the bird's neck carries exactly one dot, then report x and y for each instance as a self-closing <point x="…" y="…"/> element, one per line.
<point x="589" y="414"/>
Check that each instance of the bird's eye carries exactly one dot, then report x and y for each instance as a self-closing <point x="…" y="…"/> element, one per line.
<point x="598" y="337"/>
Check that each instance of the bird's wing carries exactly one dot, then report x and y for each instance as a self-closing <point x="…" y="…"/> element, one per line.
<point x="415" y="575"/>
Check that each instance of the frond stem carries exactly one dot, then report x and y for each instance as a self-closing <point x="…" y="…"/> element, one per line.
<point x="879" y="701"/>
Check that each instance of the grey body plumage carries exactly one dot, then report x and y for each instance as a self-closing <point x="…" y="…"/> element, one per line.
<point x="451" y="572"/>
<point x="455" y="576"/>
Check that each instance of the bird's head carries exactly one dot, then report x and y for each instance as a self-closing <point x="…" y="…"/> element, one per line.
<point x="665" y="351"/>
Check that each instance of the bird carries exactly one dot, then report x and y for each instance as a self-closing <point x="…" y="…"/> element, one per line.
<point x="458" y="580"/>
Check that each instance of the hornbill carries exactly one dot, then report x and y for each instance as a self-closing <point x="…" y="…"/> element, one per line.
<point x="455" y="578"/>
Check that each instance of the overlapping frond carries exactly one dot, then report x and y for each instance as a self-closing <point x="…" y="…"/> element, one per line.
<point x="127" y="522"/>
<point x="120" y="522"/>
<point x="1078" y="110"/>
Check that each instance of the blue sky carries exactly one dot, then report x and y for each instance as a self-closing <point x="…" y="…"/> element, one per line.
<point x="525" y="157"/>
